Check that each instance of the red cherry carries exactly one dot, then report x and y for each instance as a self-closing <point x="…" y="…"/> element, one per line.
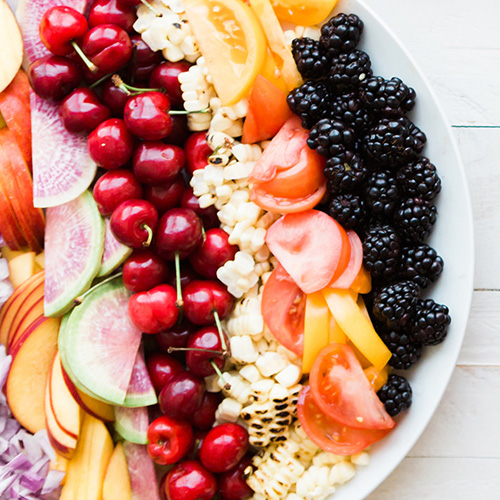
<point x="82" y="111"/>
<point x="179" y="230"/>
<point x="223" y="447"/>
<point x="146" y="116"/>
<point x="197" y="152"/>
<point x="214" y="252"/>
<point x="112" y="12"/>
<point x="59" y="27"/>
<point x="144" y="270"/>
<point x="204" y="418"/>
<point x="198" y="437"/>
<point x="169" y="440"/>
<point x="143" y="60"/>
<point x="166" y="76"/>
<point x="154" y="310"/>
<point x="111" y="145"/>
<point x="208" y="215"/>
<point x="232" y="484"/>
<point x="180" y="131"/>
<point x="187" y="275"/>
<point x="162" y="368"/>
<point x="190" y="481"/>
<point x="203" y="298"/>
<point x="108" y="47"/>
<point x="165" y="196"/>
<point x="182" y="396"/>
<point x="205" y="341"/>
<point x="133" y="223"/>
<point x="115" y="187"/>
<point x="157" y="163"/>
<point x="53" y="77"/>
<point x="177" y="336"/>
<point x="114" y="98"/>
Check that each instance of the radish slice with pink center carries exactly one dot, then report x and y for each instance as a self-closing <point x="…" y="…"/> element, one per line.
<point x="141" y="470"/>
<point x="132" y="424"/>
<point x="140" y="391"/>
<point x="100" y="343"/>
<point x="74" y="243"/>
<point x="346" y="279"/>
<point x="115" y="253"/>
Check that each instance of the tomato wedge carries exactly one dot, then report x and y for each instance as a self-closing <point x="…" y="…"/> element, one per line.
<point x="351" y="270"/>
<point x="330" y="435"/>
<point x="309" y="246"/>
<point x="283" y="309"/>
<point x="342" y="391"/>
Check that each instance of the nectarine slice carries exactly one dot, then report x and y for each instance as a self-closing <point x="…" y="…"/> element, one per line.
<point x="21" y="268"/>
<point x="26" y="382"/>
<point x="28" y="315"/>
<point x="117" y="480"/>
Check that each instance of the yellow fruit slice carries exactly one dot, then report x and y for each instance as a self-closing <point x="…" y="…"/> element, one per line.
<point x="277" y="43"/>
<point x="271" y="72"/>
<point x="360" y="331"/>
<point x="231" y="41"/>
<point x="362" y="282"/>
<point x="316" y="329"/>
<point x="337" y="335"/>
<point x="301" y="12"/>
<point x="377" y="377"/>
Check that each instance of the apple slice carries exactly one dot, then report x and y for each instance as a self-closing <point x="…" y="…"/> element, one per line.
<point x="132" y="424"/>
<point x="140" y="391"/>
<point x="9" y="225"/>
<point x="25" y="387"/>
<point x="142" y="472"/>
<point x="117" y="480"/>
<point x="21" y="268"/>
<point x="74" y="243"/>
<point x="115" y="253"/>
<point x="11" y="48"/>
<point x="99" y="343"/>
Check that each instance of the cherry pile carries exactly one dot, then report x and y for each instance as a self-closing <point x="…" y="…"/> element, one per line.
<point x="140" y="140"/>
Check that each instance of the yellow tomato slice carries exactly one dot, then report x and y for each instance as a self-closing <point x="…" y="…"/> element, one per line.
<point x="231" y="41"/>
<point x="377" y="378"/>
<point x="316" y="329"/>
<point x="301" y="12"/>
<point x="277" y="43"/>
<point x="271" y="72"/>
<point x="337" y="335"/>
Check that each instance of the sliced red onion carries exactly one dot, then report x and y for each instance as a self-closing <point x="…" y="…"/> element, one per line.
<point x="4" y="269"/>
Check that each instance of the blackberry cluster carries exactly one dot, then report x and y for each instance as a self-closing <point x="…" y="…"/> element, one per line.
<point x="431" y="322"/>
<point x="310" y="58"/>
<point x="387" y="97"/>
<point x="348" y="108"/>
<point x="382" y="193"/>
<point x="420" y="179"/>
<point x="396" y="304"/>
<point x="421" y="264"/>
<point x="348" y="210"/>
<point x="381" y="249"/>
<point x="415" y="218"/>
<point x="405" y="351"/>
<point x="341" y="34"/>
<point x="396" y="394"/>
<point x="349" y="70"/>
<point x="309" y="102"/>
<point x="345" y="173"/>
<point x="331" y="138"/>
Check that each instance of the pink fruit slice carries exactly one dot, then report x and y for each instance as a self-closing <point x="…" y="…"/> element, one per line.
<point x="140" y="391"/>
<point x="99" y="343"/>
<point x="74" y="243"/>
<point x="141" y="471"/>
<point x="115" y="253"/>
<point x="132" y="424"/>
<point x="346" y="279"/>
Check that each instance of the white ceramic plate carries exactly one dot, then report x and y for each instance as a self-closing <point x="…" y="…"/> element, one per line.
<point x="452" y="237"/>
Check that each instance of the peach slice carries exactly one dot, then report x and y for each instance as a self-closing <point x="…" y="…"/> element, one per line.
<point x="32" y="312"/>
<point x="21" y="268"/>
<point x="117" y="480"/>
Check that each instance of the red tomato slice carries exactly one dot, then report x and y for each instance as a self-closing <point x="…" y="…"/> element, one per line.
<point x="351" y="271"/>
<point x="267" y="111"/>
<point x="283" y="309"/>
<point x="342" y="391"/>
<point x="330" y="435"/>
<point x="309" y="246"/>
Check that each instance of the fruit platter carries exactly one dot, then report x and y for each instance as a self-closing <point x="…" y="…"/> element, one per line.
<point x="236" y="250"/>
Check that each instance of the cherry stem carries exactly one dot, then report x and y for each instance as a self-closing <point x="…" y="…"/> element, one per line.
<point x="151" y="8"/>
<point x="147" y="243"/>
<point x="170" y="350"/>
<point x="85" y="59"/>
<point x="103" y="79"/>
<point x="179" y="302"/>
<point x="227" y="385"/>
<point x="129" y="89"/>
<point x="181" y="112"/>
<point x="221" y="333"/>
<point x="81" y="297"/>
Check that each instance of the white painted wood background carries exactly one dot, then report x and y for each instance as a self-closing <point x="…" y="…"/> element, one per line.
<point x="457" y="45"/>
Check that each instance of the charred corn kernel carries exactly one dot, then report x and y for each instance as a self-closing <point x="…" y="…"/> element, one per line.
<point x="243" y="350"/>
<point x="314" y="483"/>
<point x="323" y="458"/>
<point x="260" y="390"/>
<point x="362" y="458"/>
<point x="228" y="411"/>
<point x="270" y="363"/>
<point x="289" y="376"/>
<point x="316" y="329"/>
<point x="250" y="373"/>
<point x="238" y="389"/>
<point x="212" y="383"/>
<point x="342" y="472"/>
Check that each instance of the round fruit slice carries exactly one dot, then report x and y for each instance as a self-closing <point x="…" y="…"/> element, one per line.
<point x="74" y="243"/>
<point x="140" y="391"/>
<point x="141" y="471"/>
<point x="232" y="43"/>
<point x="132" y="424"/>
<point x="115" y="253"/>
<point x="99" y="343"/>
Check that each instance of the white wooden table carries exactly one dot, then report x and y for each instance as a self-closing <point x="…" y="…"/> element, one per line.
<point x="457" y="45"/>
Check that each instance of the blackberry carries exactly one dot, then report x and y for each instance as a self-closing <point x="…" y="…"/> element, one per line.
<point x="405" y="351"/>
<point x="431" y="322"/>
<point x="348" y="108"/>
<point x="348" y="210"/>
<point x="341" y="34"/>
<point x="345" y="173"/>
<point x="310" y="58"/>
<point x="395" y="304"/>
<point x="331" y="138"/>
<point x="420" y="179"/>
<point x="348" y="71"/>
<point x="393" y="142"/>
<point x="420" y="264"/>
<point x="381" y="249"/>
<point x="309" y="102"/>
<point x="396" y="394"/>
<point x="387" y="97"/>
<point x="415" y="218"/>
<point x="381" y="193"/>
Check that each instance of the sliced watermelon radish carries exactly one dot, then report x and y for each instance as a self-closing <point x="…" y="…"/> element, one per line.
<point x="74" y="243"/>
<point x="132" y="424"/>
<point x="115" y="253"/>
<point x="100" y="343"/>
<point x="62" y="167"/>
<point x="141" y="471"/>
<point x="140" y="391"/>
